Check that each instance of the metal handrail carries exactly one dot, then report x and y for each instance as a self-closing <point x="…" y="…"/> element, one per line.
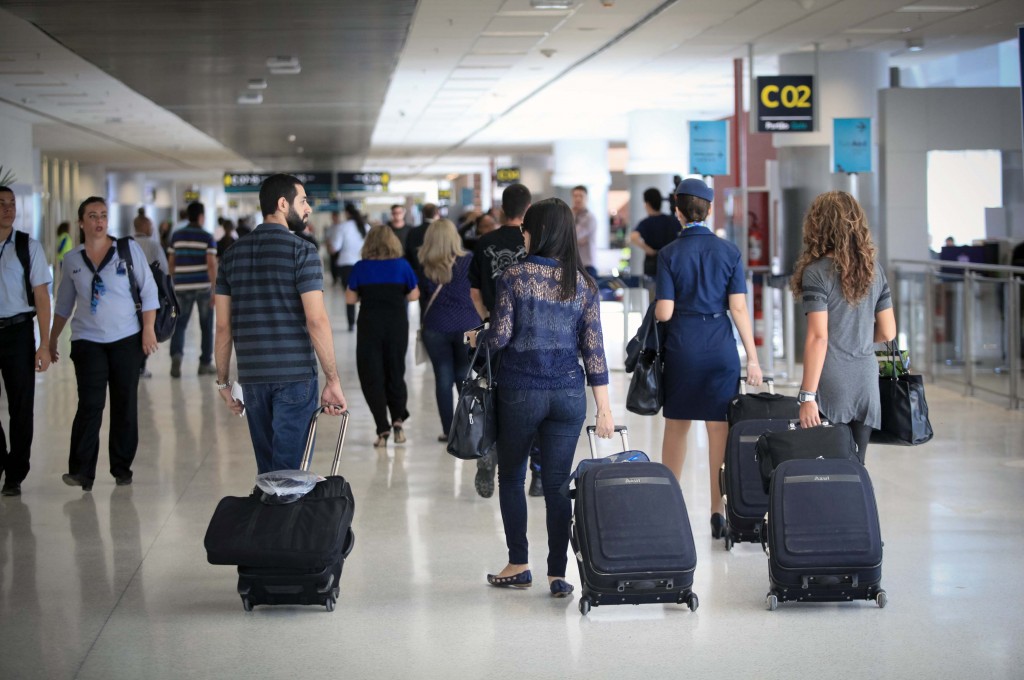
<point x="1012" y="279"/>
<point x="973" y="266"/>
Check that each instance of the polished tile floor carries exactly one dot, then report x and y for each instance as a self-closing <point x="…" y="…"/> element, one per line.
<point x="115" y="583"/>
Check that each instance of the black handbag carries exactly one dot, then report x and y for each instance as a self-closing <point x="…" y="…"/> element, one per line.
<point x="825" y="441"/>
<point x="904" y="408"/>
<point x="646" y="393"/>
<point x="474" y="429"/>
<point x="643" y="340"/>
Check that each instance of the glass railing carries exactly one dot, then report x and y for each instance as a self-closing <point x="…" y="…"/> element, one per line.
<point x="962" y="323"/>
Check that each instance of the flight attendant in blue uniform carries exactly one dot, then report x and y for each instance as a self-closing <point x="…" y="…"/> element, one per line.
<point x="700" y="278"/>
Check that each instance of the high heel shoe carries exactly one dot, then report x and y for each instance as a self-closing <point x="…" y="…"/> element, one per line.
<point x="382" y="441"/>
<point x="399" y="432"/>
<point x="717" y="526"/>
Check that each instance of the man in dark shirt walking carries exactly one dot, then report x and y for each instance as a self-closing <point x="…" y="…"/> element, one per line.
<point x="270" y="306"/>
<point x="412" y="248"/>
<point x="655" y="231"/>
<point x="398" y="224"/>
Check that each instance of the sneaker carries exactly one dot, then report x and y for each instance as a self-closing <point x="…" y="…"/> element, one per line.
<point x="484" y="481"/>
<point x="11" y="489"/>
<point x="175" y="367"/>
<point x="536" y="485"/>
<point x="207" y="369"/>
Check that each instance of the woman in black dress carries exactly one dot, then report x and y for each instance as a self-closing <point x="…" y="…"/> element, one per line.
<point x="700" y="278"/>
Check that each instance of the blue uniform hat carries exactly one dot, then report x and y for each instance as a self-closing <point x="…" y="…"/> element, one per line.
<point x="695" y="187"/>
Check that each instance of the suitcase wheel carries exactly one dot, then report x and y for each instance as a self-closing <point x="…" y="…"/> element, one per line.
<point x="329" y="604"/>
<point x="881" y="599"/>
<point x="246" y="604"/>
<point x="584" y="605"/>
<point x="692" y="602"/>
<point x="772" y="601"/>
<point x="729" y="543"/>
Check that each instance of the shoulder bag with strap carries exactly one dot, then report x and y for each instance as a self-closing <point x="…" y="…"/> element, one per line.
<point x="21" y="248"/>
<point x="167" y="312"/>
<point x="421" y="350"/>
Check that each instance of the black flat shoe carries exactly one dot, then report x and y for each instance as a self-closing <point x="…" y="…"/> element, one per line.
<point x="717" y="526"/>
<point x="523" y="579"/>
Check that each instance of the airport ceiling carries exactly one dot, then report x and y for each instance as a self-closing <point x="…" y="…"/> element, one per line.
<point x="411" y="86"/>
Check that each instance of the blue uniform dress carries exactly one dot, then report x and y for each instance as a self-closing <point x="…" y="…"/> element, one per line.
<point x="699" y="271"/>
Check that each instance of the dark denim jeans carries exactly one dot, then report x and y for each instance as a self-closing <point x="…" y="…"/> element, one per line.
<point x="201" y="300"/>
<point x="450" y="358"/>
<point x="278" y="415"/>
<point x="556" y="416"/>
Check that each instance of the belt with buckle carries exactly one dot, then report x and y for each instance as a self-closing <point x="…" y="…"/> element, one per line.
<point x="16" y="319"/>
<point x="705" y="317"/>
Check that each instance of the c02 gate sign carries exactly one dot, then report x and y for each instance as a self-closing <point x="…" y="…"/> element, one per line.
<point x="785" y="104"/>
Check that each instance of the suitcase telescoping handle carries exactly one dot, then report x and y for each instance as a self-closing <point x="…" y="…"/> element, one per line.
<point x="770" y="382"/>
<point x="621" y="429"/>
<point x="307" y="455"/>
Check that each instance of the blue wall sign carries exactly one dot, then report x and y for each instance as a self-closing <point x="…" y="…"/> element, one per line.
<point x="851" y="145"/>
<point x="709" y="147"/>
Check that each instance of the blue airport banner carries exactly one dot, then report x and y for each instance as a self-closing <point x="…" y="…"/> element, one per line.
<point x="709" y="147"/>
<point x="851" y="145"/>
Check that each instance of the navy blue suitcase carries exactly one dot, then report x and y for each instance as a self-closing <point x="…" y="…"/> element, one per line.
<point x="822" y="534"/>
<point x="746" y="501"/>
<point x="632" y="537"/>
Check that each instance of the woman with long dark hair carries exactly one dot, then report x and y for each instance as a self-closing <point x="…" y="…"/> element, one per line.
<point x="348" y="243"/>
<point x="546" y="319"/>
<point x="849" y="308"/>
<point x="449" y="312"/>
<point x="108" y="343"/>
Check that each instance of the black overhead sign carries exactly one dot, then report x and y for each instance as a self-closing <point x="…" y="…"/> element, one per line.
<point x="785" y="104"/>
<point x="508" y="176"/>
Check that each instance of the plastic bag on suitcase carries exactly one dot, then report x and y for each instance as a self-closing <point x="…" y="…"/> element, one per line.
<point x="627" y="455"/>
<point x="825" y="441"/>
<point x="281" y="487"/>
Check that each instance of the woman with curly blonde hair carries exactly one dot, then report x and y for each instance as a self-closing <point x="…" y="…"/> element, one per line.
<point x="849" y="308"/>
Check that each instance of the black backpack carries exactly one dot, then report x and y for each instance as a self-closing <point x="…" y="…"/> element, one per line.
<point x="167" y="313"/>
<point x="21" y="248"/>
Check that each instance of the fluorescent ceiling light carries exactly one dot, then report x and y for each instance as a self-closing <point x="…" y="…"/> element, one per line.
<point x="257" y="84"/>
<point x="286" y="70"/>
<point x="250" y="98"/>
<point x="915" y="44"/>
<point x="551" y="4"/>
<point x="282" y="62"/>
<point x="875" y="31"/>
<point x="936" y="8"/>
<point x="513" y="34"/>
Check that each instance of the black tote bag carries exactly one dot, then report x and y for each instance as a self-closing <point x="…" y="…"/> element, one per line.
<point x="646" y="393"/>
<point x="474" y="429"/>
<point x="904" y="408"/>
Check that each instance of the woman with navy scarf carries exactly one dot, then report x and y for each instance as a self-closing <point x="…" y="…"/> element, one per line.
<point x="547" y="318"/>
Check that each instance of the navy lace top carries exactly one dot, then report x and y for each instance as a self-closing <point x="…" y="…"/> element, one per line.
<point x="542" y="336"/>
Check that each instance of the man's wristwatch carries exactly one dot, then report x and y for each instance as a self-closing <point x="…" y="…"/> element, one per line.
<point x="223" y="385"/>
<point x="805" y="397"/>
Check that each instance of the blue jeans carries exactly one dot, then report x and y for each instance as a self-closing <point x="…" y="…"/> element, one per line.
<point x="556" y="417"/>
<point x="278" y="416"/>
<point x="450" y="359"/>
<point x="201" y="299"/>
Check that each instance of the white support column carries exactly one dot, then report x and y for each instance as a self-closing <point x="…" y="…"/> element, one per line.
<point x="585" y="162"/>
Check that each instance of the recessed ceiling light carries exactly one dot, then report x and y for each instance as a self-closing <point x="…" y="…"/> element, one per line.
<point x="551" y="4"/>
<point x="915" y="44"/>
<point x="286" y="70"/>
<point x="257" y="83"/>
<point x="291" y="138"/>
<point x="282" y="62"/>
<point x="952" y="9"/>
<point x="250" y="98"/>
<point x="873" y="31"/>
<point x="513" y="34"/>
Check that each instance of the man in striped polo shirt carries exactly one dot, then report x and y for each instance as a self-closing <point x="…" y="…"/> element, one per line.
<point x="270" y="307"/>
<point x="192" y="261"/>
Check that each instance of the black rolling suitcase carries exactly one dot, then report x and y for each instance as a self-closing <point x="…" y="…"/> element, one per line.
<point x="631" y="535"/>
<point x="291" y="553"/>
<point x="746" y="501"/>
<point x="823" y="537"/>
<point x="794" y="443"/>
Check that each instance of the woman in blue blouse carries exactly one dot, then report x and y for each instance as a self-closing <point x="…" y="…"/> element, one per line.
<point x="382" y="282"/>
<point x="547" y="317"/>
<point x="108" y="343"/>
<point x="450" y="312"/>
<point x="700" y="282"/>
